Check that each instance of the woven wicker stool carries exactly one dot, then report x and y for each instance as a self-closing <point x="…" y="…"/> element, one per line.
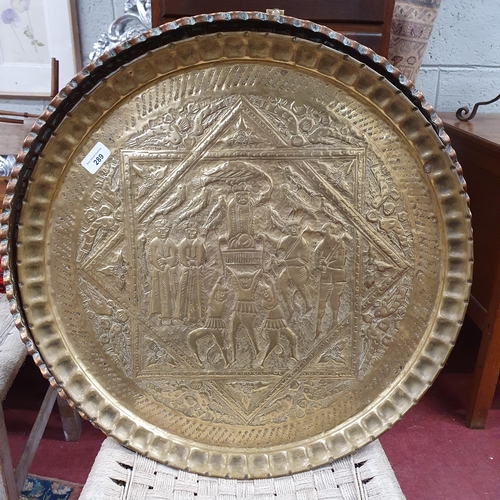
<point x="12" y="354"/>
<point x="122" y="474"/>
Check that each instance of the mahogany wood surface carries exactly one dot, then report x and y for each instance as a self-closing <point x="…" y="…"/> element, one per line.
<point x="477" y="144"/>
<point x="11" y="141"/>
<point x="3" y="186"/>
<point x="367" y="21"/>
<point x="12" y="136"/>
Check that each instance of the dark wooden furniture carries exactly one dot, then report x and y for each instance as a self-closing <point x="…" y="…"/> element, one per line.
<point x="11" y="139"/>
<point x="367" y="21"/>
<point x="477" y="144"/>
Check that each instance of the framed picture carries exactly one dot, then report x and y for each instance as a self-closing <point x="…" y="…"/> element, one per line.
<point x="32" y="32"/>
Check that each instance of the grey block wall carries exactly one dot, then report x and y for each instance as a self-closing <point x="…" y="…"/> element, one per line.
<point x="462" y="62"/>
<point x="94" y="17"/>
<point x="461" y="65"/>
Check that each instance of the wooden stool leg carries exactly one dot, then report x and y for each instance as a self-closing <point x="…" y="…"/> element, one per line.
<point x="485" y="376"/>
<point x="35" y="437"/>
<point x="71" y="421"/>
<point x="11" y="482"/>
<point x="8" y="489"/>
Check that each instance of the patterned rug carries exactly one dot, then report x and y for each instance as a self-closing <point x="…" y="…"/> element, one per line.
<point x="46" y="488"/>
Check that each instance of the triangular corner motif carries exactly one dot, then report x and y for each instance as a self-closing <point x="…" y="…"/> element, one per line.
<point x="247" y="129"/>
<point x="246" y="394"/>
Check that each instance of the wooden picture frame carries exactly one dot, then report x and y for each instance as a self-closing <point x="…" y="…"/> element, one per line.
<point x="33" y="32"/>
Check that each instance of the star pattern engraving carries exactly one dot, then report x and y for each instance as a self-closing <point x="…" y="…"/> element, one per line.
<point x="313" y="164"/>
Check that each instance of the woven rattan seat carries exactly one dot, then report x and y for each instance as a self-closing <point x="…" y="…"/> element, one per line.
<point x="119" y="473"/>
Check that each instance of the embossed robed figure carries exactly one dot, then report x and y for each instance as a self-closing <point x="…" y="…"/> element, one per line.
<point x="240" y="228"/>
<point x="162" y="255"/>
<point x="191" y="256"/>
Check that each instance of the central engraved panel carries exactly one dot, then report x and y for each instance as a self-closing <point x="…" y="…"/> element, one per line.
<point x="245" y="258"/>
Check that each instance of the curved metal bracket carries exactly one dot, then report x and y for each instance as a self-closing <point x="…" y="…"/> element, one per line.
<point x="462" y="113"/>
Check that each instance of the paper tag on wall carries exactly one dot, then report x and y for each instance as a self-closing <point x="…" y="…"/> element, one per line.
<point x="96" y="158"/>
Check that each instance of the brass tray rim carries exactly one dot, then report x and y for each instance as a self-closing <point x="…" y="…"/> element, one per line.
<point x="359" y="434"/>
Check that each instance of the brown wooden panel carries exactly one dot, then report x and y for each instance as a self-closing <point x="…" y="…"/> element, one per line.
<point x="317" y="10"/>
<point x="484" y="192"/>
<point x="366" y="21"/>
<point x="13" y="135"/>
<point x="372" y="40"/>
<point x="3" y="187"/>
<point x="477" y="144"/>
<point x="478" y="149"/>
<point x="482" y="130"/>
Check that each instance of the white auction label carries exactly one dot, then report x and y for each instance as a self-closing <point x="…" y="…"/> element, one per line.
<point x="96" y="158"/>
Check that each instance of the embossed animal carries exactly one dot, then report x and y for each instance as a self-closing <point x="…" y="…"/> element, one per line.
<point x="196" y="205"/>
<point x="235" y="173"/>
<point x="217" y="214"/>
<point x="171" y="203"/>
<point x="214" y="326"/>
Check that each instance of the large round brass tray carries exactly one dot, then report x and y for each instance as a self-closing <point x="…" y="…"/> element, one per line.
<point x="240" y="244"/>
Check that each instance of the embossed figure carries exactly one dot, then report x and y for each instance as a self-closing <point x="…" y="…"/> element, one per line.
<point x="240" y="229"/>
<point x="162" y="255"/>
<point x="101" y="221"/>
<point x="117" y="270"/>
<point x="244" y="312"/>
<point x="330" y="256"/>
<point x="274" y="324"/>
<point x="389" y="224"/>
<point x="191" y="257"/>
<point x="214" y="326"/>
<point x="296" y="259"/>
<point x="170" y="130"/>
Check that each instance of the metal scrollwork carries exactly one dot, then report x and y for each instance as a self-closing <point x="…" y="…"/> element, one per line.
<point x="462" y="113"/>
<point x="136" y="20"/>
<point x="6" y="165"/>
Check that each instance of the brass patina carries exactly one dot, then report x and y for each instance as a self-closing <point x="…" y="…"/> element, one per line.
<point x="268" y="269"/>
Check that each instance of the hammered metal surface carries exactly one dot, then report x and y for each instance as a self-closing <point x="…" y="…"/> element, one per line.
<point x="267" y="271"/>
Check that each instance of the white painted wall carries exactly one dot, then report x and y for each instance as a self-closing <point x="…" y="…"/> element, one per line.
<point x="461" y="65"/>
